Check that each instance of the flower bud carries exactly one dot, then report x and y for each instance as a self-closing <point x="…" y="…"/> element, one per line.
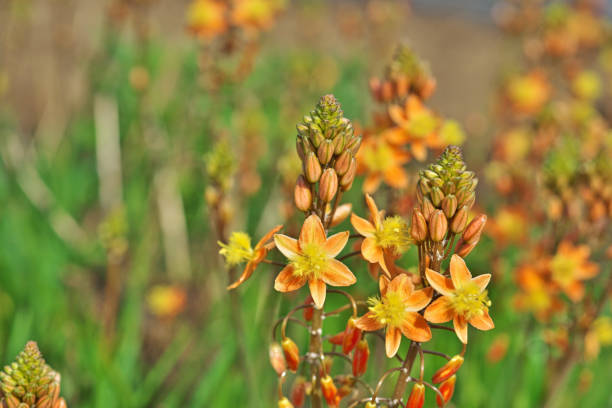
<point x="277" y="359"/>
<point x="328" y="186"/>
<point x="427" y="208"/>
<point x="459" y="220"/>
<point x="292" y="354"/>
<point x="375" y="88"/>
<point x="341" y="214"/>
<point x="386" y="91"/>
<point x="351" y="337"/>
<point x="284" y="403"/>
<point x="302" y="196"/>
<point x="438" y="226"/>
<point x="370" y="404"/>
<point x="325" y="152"/>
<point x="339" y="143"/>
<point x="360" y="358"/>
<point x="308" y="311"/>
<point x="418" y="229"/>
<point x="448" y="369"/>
<point x="436" y="196"/>
<point x="449" y="205"/>
<point x="447" y="388"/>
<point x="298" y="392"/>
<point x="347" y="180"/>
<point x="330" y="391"/>
<point x="474" y="229"/>
<point x="401" y="86"/>
<point x="417" y="396"/>
<point x="299" y="147"/>
<point x="343" y="162"/>
<point x="463" y="248"/>
<point x="353" y="145"/>
<point x="312" y="168"/>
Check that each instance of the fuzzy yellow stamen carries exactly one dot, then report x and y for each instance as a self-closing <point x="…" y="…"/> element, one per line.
<point x="469" y="301"/>
<point x="422" y="124"/>
<point x="394" y="233"/>
<point x="563" y="268"/>
<point x="310" y="262"/>
<point x="238" y="249"/>
<point x="389" y="310"/>
<point x="378" y="158"/>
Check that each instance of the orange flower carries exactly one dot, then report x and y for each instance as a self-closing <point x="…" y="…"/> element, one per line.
<point x="537" y="294"/>
<point x="528" y="93"/>
<point x="570" y="266"/>
<point x="206" y="18"/>
<point x="239" y="249"/>
<point x="381" y="161"/>
<point x="383" y="238"/>
<point x="464" y="299"/>
<point x="311" y="259"/>
<point x="397" y="310"/>
<point x="255" y="14"/>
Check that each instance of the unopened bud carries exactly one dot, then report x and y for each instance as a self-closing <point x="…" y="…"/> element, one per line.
<point x="353" y="145"/>
<point x="277" y="359"/>
<point x="343" y="162"/>
<point x="438" y="226"/>
<point x="328" y="186"/>
<point x="386" y="91"/>
<point x="308" y="311"/>
<point x="292" y="354"/>
<point x="299" y="147"/>
<point x="325" y="152"/>
<point x="298" y="392"/>
<point x="447" y="388"/>
<point x="401" y="86"/>
<point x="360" y="358"/>
<point x="427" y="208"/>
<point x="312" y="168"/>
<point x="436" y="196"/>
<point x="370" y="404"/>
<point x="474" y="229"/>
<point x="302" y="195"/>
<point x="329" y="390"/>
<point x="448" y="369"/>
<point x="375" y="88"/>
<point x="341" y="214"/>
<point x="351" y="337"/>
<point x="284" y="403"/>
<point x="463" y="248"/>
<point x="418" y="229"/>
<point x="459" y="220"/>
<point x="347" y="180"/>
<point x="417" y="396"/>
<point x="449" y="205"/>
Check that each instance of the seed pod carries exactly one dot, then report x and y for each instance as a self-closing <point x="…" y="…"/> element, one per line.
<point x="325" y="152"/>
<point x="343" y="162"/>
<point x="463" y="248"/>
<point x="330" y="391"/>
<point x="312" y="168"/>
<point x="436" y="196"/>
<point x="360" y="358"/>
<point x="449" y="206"/>
<point x="438" y="226"/>
<point x="302" y="195"/>
<point x="448" y="369"/>
<point x="418" y="229"/>
<point x="417" y="396"/>
<point x="347" y="180"/>
<point x="292" y="354"/>
<point x="352" y="334"/>
<point x="277" y="359"/>
<point x="459" y="221"/>
<point x="447" y="388"/>
<point x="328" y="186"/>
<point x="427" y="208"/>
<point x="284" y="403"/>
<point x="298" y="391"/>
<point x="474" y="229"/>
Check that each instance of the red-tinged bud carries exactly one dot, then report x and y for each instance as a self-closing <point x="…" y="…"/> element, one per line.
<point x="328" y="186"/>
<point x="326" y="366"/>
<point x="417" y="396"/>
<point x="463" y="248"/>
<point x="343" y="162"/>
<point x="284" y="403"/>
<point x="447" y="388"/>
<point x="351" y="337"/>
<point x="449" y="205"/>
<point x="448" y="369"/>
<point x="302" y="195"/>
<point x="312" y="168"/>
<point x="277" y="359"/>
<point x="330" y="392"/>
<point x="473" y="230"/>
<point x="418" y="229"/>
<point x="298" y="392"/>
<point x="308" y="311"/>
<point x="438" y="226"/>
<point x="459" y="221"/>
<point x="427" y="208"/>
<point x="360" y="358"/>
<point x="347" y="180"/>
<point x="338" y="339"/>
<point x="292" y="354"/>
<point x="325" y="152"/>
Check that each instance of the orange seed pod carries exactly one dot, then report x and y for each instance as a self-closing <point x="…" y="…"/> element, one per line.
<point x="329" y="390"/>
<point x="360" y="358"/>
<point x="351" y="336"/>
<point x="447" y="388"/>
<point x="448" y="369"/>
<point x="417" y="396"/>
<point x="292" y="354"/>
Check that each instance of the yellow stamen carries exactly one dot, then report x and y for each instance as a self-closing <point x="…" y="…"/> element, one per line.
<point x="563" y="268"/>
<point x="422" y="124"/>
<point x="238" y="249"/>
<point x="389" y="310"/>
<point x="469" y="301"/>
<point x="394" y="233"/>
<point x="310" y="262"/>
<point x="378" y="158"/>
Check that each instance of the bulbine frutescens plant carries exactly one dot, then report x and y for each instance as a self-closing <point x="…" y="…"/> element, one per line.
<point x="411" y="305"/>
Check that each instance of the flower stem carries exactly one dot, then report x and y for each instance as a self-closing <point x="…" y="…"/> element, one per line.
<point x="316" y="348"/>
<point x="400" y="386"/>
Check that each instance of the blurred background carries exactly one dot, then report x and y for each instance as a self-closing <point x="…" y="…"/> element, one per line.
<point x="110" y="113"/>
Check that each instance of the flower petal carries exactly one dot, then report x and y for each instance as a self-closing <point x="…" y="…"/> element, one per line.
<point x="287" y="245"/>
<point x="268" y="236"/>
<point x="318" y="289"/>
<point x="439" y="282"/>
<point x="383" y="284"/>
<point x="418" y="299"/>
<point x="370" y="251"/>
<point x="396" y="177"/>
<point x="363" y="226"/>
<point x="342" y="212"/>
<point x="419" y="150"/>
<point x="368" y="322"/>
<point x="371" y="183"/>
<point x="287" y="281"/>
<point x="482" y="280"/>
<point x="312" y="232"/>
<point x="401" y="283"/>
<point x="461" y="328"/>
<point x="459" y="272"/>
<point x="338" y="274"/>
<point x="374" y="214"/>
<point x="392" y="341"/>
<point x="482" y="322"/>
<point x="416" y="328"/>
<point x="440" y="311"/>
<point x="335" y="243"/>
<point x="246" y="274"/>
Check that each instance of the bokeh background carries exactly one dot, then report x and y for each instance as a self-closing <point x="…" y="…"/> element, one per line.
<point x="108" y="256"/>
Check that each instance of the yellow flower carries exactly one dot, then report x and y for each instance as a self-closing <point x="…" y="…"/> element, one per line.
<point x="380" y="161"/>
<point x="206" y="18"/>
